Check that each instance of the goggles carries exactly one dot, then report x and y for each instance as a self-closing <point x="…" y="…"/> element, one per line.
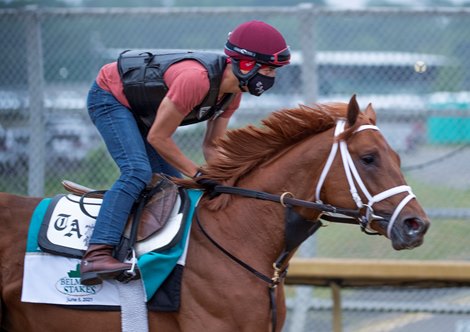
<point x="280" y="58"/>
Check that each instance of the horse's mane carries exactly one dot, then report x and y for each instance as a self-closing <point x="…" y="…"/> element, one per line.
<point x="241" y="150"/>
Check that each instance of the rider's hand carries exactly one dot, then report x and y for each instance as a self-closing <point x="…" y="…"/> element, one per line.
<point x="207" y="184"/>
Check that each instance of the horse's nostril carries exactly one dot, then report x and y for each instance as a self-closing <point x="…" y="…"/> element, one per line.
<point x="414" y="226"/>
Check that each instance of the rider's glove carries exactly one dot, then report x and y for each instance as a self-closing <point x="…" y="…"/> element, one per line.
<point x="207" y="184"/>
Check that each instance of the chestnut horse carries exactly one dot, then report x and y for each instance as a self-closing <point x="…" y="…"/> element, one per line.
<point x="325" y="154"/>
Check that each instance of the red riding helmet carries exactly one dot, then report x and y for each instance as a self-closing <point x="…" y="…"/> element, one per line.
<point x="256" y="40"/>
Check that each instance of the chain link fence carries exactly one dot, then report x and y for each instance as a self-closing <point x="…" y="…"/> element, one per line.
<point x="51" y="56"/>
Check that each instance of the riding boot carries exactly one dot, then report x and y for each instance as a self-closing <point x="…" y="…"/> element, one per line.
<point x="98" y="263"/>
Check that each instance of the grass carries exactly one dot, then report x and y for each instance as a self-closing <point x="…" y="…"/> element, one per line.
<point x="432" y="195"/>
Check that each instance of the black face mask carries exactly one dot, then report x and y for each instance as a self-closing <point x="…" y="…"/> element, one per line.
<point x="260" y="83"/>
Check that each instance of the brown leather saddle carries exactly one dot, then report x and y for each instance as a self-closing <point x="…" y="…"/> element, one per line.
<point x="159" y="199"/>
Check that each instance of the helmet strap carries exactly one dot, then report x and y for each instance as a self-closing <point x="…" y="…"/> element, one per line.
<point x="243" y="79"/>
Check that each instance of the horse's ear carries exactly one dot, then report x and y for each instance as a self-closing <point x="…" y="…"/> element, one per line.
<point x="353" y="110"/>
<point x="370" y="113"/>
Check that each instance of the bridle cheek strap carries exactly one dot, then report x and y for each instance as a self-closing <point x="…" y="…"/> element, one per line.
<point x="353" y="177"/>
<point x="334" y="148"/>
<point x="397" y="212"/>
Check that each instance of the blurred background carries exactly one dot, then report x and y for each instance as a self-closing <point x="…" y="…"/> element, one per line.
<point x="51" y="51"/>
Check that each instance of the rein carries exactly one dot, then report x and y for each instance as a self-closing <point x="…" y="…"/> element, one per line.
<point x="287" y="199"/>
<point x="329" y="212"/>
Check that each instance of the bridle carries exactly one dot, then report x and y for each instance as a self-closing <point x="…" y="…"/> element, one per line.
<point x="352" y="174"/>
<point x="299" y="228"/>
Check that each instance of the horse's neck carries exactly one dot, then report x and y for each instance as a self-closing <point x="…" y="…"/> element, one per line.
<point x="259" y="225"/>
<point x="295" y="170"/>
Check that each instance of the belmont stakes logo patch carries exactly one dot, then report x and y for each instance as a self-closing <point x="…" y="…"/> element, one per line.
<point x="71" y="286"/>
<point x="56" y="280"/>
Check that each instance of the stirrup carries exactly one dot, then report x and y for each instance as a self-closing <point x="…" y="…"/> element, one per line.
<point x="130" y="274"/>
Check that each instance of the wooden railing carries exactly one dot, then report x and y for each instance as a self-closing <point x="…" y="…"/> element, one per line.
<point x="339" y="273"/>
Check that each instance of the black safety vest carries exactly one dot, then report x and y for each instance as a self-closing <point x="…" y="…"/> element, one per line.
<point x="142" y="77"/>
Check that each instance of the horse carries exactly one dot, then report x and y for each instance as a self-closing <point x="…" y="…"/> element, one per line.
<point x="316" y="155"/>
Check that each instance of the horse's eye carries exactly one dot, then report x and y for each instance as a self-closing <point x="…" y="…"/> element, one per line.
<point x="368" y="159"/>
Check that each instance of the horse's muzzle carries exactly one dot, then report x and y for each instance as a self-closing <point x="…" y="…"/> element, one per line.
<point x="409" y="233"/>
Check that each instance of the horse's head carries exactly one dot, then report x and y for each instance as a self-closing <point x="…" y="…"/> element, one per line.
<point x="368" y="169"/>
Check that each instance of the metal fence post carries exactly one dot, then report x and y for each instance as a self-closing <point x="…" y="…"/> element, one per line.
<point x="304" y="294"/>
<point x="337" y="322"/>
<point x="36" y="158"/>
<point x="308" y="50"/>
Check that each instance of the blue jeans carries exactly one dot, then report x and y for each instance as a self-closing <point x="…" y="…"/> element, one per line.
<point x="134" y="156"/>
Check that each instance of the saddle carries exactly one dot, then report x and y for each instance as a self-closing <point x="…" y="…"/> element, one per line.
<point x="156" y="210"/>
<point x="161" y="201"/>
